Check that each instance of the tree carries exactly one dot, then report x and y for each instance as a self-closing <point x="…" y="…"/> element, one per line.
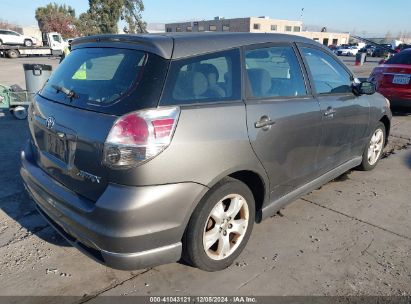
<point x="87" y="26"/>
<point x="388" y="37"/>
<point x="131" y="13"/>
<point x="57" y="18"/>
<point x="103" y="16"/>
<point x="106" y="14"/>
<point x="4" y="24"/>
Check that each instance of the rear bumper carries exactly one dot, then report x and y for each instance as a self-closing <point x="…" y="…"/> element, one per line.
<point x="397" y="97"/>
<point x="126" y="228"/>
<point x="399" y="103"/>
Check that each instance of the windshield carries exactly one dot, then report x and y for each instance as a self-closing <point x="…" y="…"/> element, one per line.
<point x="109" y="80"/>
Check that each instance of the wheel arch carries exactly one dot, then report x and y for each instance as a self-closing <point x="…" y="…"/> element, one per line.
<point x="257" y="186"/>
<point x="387" y="123"/>
<point x="256" y="180"/>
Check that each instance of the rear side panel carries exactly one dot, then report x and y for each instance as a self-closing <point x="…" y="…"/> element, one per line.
<point x="209" y="143"/>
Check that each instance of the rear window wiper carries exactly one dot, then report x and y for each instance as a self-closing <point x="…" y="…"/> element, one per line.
<point x="69" y="93"/>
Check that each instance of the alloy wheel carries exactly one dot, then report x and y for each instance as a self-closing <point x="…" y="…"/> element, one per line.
<point x="375" y="147"/>
<point x="225" y="227"/>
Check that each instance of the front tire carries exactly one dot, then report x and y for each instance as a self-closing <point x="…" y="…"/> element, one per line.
<point x="374" y="149"/>
<point x="220" y="226"/>
<point x="28" y="43"/>
<point x="19" y="112"/>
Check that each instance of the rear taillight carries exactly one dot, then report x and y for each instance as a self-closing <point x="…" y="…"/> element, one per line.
<point x="376" y="75"/>
<point x="139" y="136"/>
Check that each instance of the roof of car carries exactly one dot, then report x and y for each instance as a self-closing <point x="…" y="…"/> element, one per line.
<point x="179" y="45"/>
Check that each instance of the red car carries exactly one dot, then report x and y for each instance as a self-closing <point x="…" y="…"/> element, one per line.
<point x="393" y="79"/>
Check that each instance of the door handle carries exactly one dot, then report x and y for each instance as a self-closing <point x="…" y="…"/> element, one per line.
<point x="330" y="112"/>
<point x="264" y="123"/>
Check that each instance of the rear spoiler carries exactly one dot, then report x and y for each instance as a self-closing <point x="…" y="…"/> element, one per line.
<point x="157" y="44"/>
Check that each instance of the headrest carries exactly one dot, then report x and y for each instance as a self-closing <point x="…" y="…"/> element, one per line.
<point x="207" y="69"/>
<point x="199" y="83"/>
<point x="260" y="81"/>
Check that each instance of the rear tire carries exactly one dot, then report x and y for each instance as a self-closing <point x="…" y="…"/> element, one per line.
<point x="374" y="149"/>
<point x="220" y="226"/>
<point x="13" y="54"/>
<point x="28" y="43"/>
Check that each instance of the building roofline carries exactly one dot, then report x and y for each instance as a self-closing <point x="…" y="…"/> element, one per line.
<point x="228" y="19"/>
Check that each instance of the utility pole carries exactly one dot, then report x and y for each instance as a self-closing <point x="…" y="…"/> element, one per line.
<point x="302" y="18"/>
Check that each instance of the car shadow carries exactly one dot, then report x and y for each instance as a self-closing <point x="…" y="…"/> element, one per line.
<point x="347" y="59"/>
<point x="401" y="111"/>
<point x="407" y="160"/>
<point x="15" y="203"/>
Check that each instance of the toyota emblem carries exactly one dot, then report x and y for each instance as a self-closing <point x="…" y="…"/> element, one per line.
<point x="50" y="121"/>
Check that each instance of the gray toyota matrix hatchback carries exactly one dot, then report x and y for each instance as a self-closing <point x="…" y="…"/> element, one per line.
<point x="145" y="149"/>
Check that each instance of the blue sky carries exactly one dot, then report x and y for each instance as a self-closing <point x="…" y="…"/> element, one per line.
<point x="369" y="17"/>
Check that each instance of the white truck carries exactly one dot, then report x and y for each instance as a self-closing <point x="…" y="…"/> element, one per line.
<point x="53" y="44"/>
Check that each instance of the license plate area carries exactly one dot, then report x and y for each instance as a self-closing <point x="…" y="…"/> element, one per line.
<point x="401" y="79"/>
<point x="56" y="146"/>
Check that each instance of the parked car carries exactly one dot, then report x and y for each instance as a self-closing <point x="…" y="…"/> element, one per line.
<point x="368" y="49"/>
<point x="402" y="47"/>
<point x="333" y="47"/>
<point x="383" y="50"/>
<point x="393" y="78"/>
<point x="13" y="38"/>
<point x="348" y="51"/>
<point x="146" y="149"/>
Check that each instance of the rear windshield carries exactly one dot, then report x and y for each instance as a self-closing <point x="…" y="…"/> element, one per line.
<point x="401" y="58"/>
<point x="104" y="79"/>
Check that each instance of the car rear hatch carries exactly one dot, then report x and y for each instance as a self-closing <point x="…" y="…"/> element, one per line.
<point x="396" y="76"/>
<point x="396" y="72"/>
<point x="75" y="111"/>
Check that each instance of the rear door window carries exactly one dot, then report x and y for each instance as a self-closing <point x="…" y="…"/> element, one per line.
<point x="207" y="78"/>
<point x="97" y="78"/>
<point x="274" y="72"/>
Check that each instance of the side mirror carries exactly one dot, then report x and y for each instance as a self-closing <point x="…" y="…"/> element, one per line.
<point x="382" y="61"/>
<point x="364" y="88"/>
